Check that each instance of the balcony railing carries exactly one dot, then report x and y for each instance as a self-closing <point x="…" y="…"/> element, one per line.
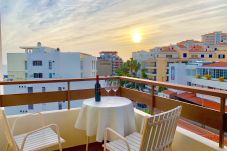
<point x="206" y="116"/>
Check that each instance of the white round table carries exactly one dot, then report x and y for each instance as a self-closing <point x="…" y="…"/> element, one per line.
<point x="113" y="111"/>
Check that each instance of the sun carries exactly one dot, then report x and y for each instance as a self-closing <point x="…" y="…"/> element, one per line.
<point x="136" y="37"/>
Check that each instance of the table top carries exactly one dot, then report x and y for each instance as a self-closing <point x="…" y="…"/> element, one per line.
<point x="108" y="102"/>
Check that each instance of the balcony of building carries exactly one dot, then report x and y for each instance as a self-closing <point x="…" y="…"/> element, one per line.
<point x="199" y="129"/>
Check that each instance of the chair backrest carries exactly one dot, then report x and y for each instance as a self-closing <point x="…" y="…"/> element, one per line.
<point x="7" y="131"/>
<point x="159" y="130"/>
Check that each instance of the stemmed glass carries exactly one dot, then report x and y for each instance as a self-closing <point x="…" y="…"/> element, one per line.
<point x="115" y="85"/>
<point x="107" y="86"/>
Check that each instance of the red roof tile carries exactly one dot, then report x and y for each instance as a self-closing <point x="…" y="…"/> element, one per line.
<point x="168" y="49"/>
<point x="216" y="64"/>
<point x="197" y="100"/>
<point x="197" y="48"/>
<point x="168" y="92"/>
<point x="181" y="46"/>
<point x="186" y="95"/>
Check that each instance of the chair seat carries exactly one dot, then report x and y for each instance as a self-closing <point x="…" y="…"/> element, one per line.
<point x="134" y="141"/>
<point x="38" y="140"/>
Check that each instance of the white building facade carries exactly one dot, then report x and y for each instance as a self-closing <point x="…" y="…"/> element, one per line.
<point x="41" y="63"/>
<point x="212" y="75"/>
<point x="46" y="63"/>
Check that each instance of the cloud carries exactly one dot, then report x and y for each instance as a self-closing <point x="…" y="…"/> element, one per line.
<point x="93" y="25"/>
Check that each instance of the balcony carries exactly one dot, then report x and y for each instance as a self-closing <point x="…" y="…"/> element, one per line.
<point x="185" y="139"/>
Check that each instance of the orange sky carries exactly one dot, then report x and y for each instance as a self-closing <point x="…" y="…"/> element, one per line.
<point x="91" y="26"/>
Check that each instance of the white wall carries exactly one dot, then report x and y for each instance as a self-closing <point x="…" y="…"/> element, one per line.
<point x="65" y="119"/>
<point x="16" y="65"/>
<point x="89" y="66"/>
<point x="177" y="73"/>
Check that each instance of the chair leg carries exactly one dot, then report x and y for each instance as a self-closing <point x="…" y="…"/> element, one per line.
<point x="59" y="146"/>
<point x="87" y="143"/>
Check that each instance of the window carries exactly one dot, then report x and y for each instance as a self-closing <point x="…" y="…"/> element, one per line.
<point x="60" y="106"/>
<point x="189" y="83"/>
<point x="210" y="55"/>
<point x="50" y="65"/>
<point x="81" y="65"/>
<point x="38" y="75"/>
<point x="202" y="55"/>
<point x="225" y="74"/>
<point x="30" y="89"/>
<point x="26" y="75"/>
<point x="184" y="55"/>
<point x="25" y="65"/>
<point x="221" y="56"/>
<point x="169" y="56"/>
<point x="194" y="56"/>
<point x="30" y="106"/>
<point x="43" y="89"/>
<point x="37" y="63"/>
<point x="50" y="75"/>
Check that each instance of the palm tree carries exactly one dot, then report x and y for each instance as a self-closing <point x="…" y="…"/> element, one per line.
<point x="123" y="70"/>
<point x="133" y="66"/>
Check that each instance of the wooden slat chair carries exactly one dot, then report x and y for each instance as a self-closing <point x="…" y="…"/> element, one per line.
<point x="44" y="137"/>
<point x="157" y="135"/>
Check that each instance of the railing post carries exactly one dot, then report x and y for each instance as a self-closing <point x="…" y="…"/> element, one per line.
<point x="68" y="94"/>
<point x="1" y="101"/>
<point x="222" y="128"/>
<point x="153" y="97"/>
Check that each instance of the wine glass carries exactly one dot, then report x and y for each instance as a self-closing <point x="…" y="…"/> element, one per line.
<point x="107" y="86"/>
<point x="115" y="85"/>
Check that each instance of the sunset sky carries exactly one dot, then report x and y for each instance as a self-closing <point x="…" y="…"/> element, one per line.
<point x="91" y="26"/>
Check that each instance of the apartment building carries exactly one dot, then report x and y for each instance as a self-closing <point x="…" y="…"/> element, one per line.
<point x="157" y="60"/>
<point x="140" y="56"/>
<point x="214" y="38"/>
<point x="113" y="57"/>
<point x="104" y="67"/>
<point x="40" y="62"/>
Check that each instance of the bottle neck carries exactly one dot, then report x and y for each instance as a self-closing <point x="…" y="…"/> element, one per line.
<point x="97" y="79"/>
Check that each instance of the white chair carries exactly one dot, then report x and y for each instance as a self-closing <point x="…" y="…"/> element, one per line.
<point x="157" y="135"/>
<point x="41" y="138"/>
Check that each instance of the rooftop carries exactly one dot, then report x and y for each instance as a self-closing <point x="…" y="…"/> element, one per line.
<point x="216" y="64"/>
<point x="108" y="52"/>
<point x="200" y="101"/>
<point x="168" y="92"/>
<point x="197" y="48"/>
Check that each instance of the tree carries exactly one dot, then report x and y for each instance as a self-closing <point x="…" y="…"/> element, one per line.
<point x="123" y="70"/>
<point x="143" y="74"/>
<point x="129" y="68"/>
<point x="133" y="66"/>
<point x="161" y="89"/>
